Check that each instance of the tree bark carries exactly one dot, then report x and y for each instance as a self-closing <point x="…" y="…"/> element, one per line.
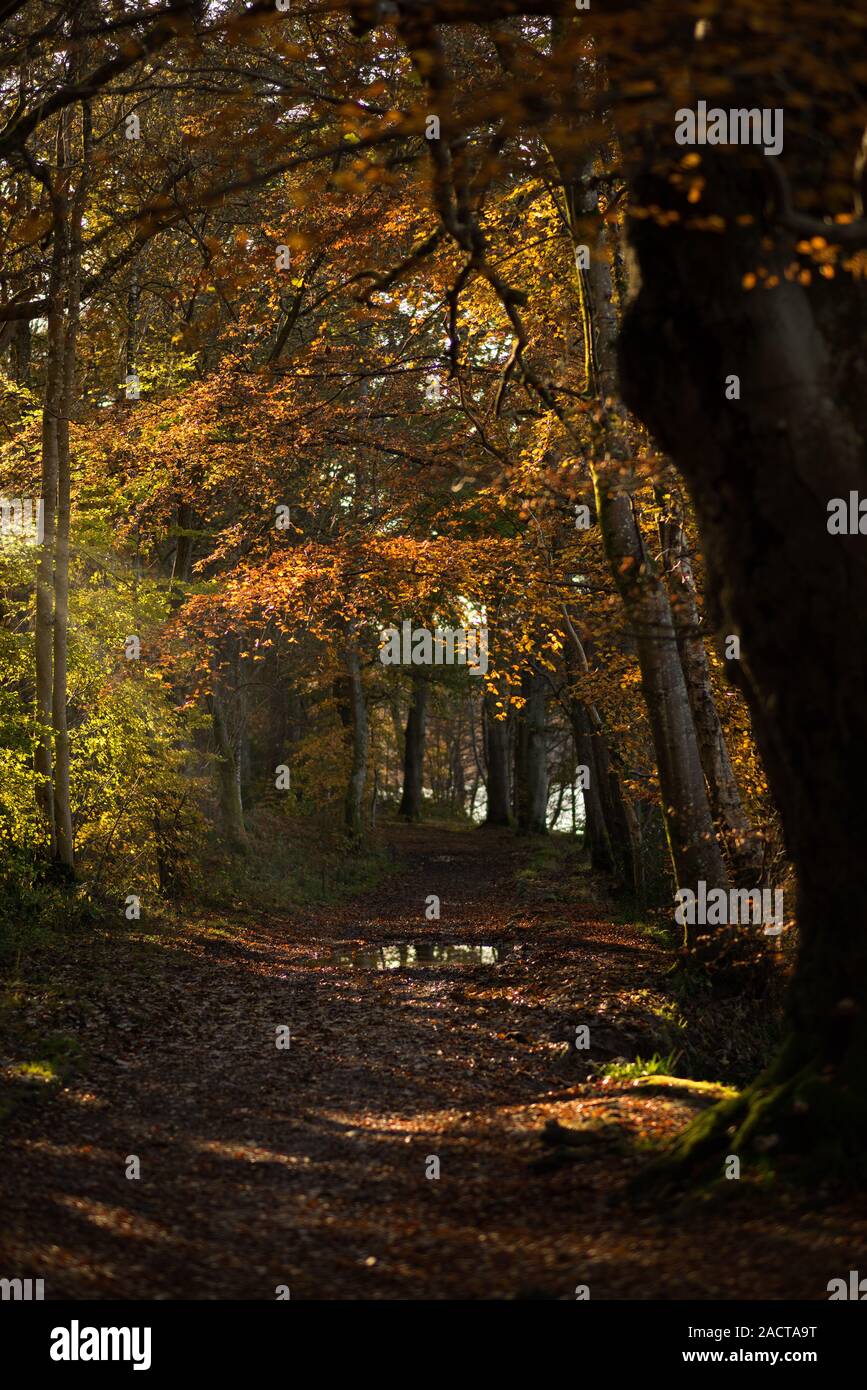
<point x="742" y="846"/>
<point x="360" y="739"/>
<point x="613" y="835"/>
<point x="21" y="350"/>
<point x="555" y="814"/>
<point x="598" y="834"/>
<point x="51" y="411"/>
<point x="228" y="742"/>
<point x="689" y="825"/>
<point x="183" y="556"/>
<point x="61" y="787"/>
<point x="612" y="831"/>
<point x="531" y="757"/>
<point x="496" y="751"/>
<point x="61" y="784"/>
<point x="761" y="470"/>
<point x="413" y="756"/>
<point x="458" y="773"/>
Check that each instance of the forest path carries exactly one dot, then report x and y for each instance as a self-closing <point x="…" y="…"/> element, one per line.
<point x="306" y="1167"/>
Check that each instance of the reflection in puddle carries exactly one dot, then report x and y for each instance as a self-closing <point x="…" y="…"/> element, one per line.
<point x="404" y="954"/>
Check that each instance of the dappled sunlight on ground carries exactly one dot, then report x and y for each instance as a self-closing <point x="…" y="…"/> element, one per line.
<point x="312" y="1166"/>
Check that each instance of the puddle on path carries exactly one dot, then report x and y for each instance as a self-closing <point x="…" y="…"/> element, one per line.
<point x="409" y="955"/>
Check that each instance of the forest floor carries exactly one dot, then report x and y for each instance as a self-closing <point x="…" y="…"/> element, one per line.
<point x="307" y="1167"/>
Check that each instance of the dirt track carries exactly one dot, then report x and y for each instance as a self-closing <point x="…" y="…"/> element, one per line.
<point x="306" y="1167"/>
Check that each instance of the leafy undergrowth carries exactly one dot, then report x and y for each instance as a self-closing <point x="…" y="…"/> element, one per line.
<point x="292" y="863"/>
<point x="641" y="1068"/>
<point x="430" y="1131"/>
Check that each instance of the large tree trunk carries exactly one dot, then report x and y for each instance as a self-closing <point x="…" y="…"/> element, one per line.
<point x="496" y="751"/>
<point x="531" y="757"/>
<point x="413" y="756"/>
<point x="761" y="470"/>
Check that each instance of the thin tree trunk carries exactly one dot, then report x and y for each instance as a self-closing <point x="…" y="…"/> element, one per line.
<point x="413" y="757"/>
<point x="459" y="781"/>
<point x="689" y="824"/>
<point x="555" y="815"/>
<point x="183" y="556"/>
<point x="598" y="831"/>
<point x="531" y="757"/>
<point x="61" y="788"/>
<point x="229" y="774"/>
<point x="21" y="348"/>
<point x="496" y="749"/>
<point x="612" y="832"/>
<point x="51" y="411"/>
<point x="742" y="845"/>
<point x="354" y="809"/>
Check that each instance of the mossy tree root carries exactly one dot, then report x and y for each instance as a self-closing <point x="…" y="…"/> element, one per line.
<point x="794" y="1115"/>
